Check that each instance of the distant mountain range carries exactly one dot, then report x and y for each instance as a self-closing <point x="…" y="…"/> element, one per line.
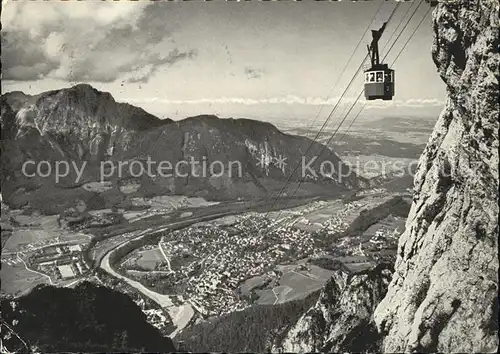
<point x="81" y="124"/>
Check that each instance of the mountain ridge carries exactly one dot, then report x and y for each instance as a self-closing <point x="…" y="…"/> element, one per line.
<point x="81" y="124"/>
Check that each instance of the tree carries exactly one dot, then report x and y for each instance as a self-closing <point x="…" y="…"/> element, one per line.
<point x="123" y="339"/>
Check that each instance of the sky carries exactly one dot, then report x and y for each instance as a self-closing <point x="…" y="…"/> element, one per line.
<point x="262" y="60"/>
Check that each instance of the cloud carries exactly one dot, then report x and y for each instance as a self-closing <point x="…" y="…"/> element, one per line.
<point x="410" y="103"/>
<point x="290" y="100"/>
<point x="253" y="73"/>
<point x="86" y="41"/>
<point x="142" y="74"/>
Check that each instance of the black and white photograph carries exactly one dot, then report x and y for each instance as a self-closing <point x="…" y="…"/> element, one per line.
<point x="249" y="176"/>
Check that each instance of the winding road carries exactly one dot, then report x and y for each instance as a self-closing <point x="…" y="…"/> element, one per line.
<point x="160" y="299"/>
<point x="165" y="256"/>
<point x="180" y="315"/>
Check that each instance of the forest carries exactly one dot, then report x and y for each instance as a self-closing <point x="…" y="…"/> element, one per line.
<point x="254" y="329"/>
<point x="88" y="318"/>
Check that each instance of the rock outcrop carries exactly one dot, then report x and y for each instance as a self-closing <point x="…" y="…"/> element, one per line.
<point x="341" y="320"/>
<point x="443" y="296"/>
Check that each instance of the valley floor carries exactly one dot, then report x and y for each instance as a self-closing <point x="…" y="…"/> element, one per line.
<point x="186" y="264"/>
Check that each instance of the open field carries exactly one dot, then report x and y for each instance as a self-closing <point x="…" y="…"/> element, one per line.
<point x="99" y="212"/>
<point x="360" y="266"/>
<point x="16" y="279"/>
<point x="172" y="202"/>
<point x="132" y="216"/>
<point x="20" y="238"/>
<point x="75" y="237"/>
<point x="317" y="272"/>
<point x="225" y="221"/>
<point x="389" y="223"/>
<point x="129" y="188"/>
<point x="253" y="283"/>
<point x="266" y="297"/>
<point x="34" y="231"/>
<point x="294" y="284"/>
<point x="149" y="259"/>
<point x="313" y="220"/>
<point x="282" y="292"/>
<point x="303" y="282"/>
<point x="35" y="238"/>
<point x="98" y="187"/>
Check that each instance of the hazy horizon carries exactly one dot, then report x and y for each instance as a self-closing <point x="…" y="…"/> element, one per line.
<point x="316" y="113"/>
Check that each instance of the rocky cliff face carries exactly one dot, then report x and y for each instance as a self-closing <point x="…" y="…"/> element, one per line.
<point x="341" y="320"/>
<point x="80" y="120"/>
<point x="443" y="293"/>
<point x="443" y="296"/>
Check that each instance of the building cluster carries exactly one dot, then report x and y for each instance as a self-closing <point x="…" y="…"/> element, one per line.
<point x="379" y="244"/>
<point x="60" y="262"/>
<point x="224" y="257"/>
<point x="208" y="264"/>
<point x="337" y="223"/>
<point x="372" y="191"/>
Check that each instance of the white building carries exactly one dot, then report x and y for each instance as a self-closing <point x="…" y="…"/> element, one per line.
<point x="66" y="271"/>
<point x="75" y="248"/>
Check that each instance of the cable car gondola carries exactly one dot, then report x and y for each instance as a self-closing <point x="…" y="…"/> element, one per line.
<point x="379" y="83"/>
<point x="379" y="78"/>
